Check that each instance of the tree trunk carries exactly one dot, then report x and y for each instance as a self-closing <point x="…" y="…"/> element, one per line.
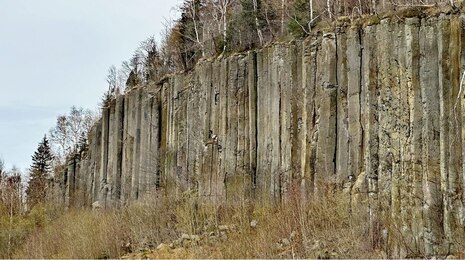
<point x="257" y="23"/>
<point x="328" y="7"/>
<point x="225" y="24"/>
<point x="310" y="2"/>
<point x="196" y="29"/>
<point x="283" y="11"/>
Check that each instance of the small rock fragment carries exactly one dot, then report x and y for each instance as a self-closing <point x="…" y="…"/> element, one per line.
<point x="195" y="237"/>
<point x="293" y="235"/>
<point x="161" y="246"/>
<point x="285" y="242"/>
<point x="223" y="228"/>
<point x="96" y="205"/>
<point x="253" y="223"/>
<point x="189" y="237"/>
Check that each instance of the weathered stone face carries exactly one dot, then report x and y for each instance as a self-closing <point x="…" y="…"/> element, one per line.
<point x="377" y="111"/>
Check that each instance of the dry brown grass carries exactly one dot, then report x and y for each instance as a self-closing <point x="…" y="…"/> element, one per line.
<point x="319" y="228"/>
<point x="83" y="233"/>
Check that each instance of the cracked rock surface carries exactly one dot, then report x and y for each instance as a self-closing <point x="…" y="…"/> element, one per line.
<point x="377" y="111"/>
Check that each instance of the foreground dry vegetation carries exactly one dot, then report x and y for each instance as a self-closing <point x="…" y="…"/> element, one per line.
<point x="323" y="227"/>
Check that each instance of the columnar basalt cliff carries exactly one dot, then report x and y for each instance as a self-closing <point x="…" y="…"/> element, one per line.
<point x="374" y="110"/>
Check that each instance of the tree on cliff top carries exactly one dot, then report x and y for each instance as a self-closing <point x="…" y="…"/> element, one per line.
<point x="69" y="130"/>
<point x="40" y="169"/>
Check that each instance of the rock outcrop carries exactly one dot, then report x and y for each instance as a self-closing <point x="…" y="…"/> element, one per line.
<point x="376" y="110"/>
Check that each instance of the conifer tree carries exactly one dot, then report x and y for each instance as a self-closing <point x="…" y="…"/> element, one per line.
<point x="39" y="171"/>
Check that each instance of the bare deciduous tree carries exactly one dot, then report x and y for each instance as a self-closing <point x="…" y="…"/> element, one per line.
<point x="257" y="23"/>
<point x="11" y="199"/>
<point x="116" y="79"/>
<point x="222" y="9"/>
<point x="68" y="131"/>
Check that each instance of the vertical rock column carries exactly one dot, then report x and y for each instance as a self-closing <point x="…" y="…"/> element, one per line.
<point x="398" y="123"/>
<point x="445" y="103"/>
<point x="298" y="130"/>
<point x="96" y="167"/>
<point x="270" y="68"/>
<point x="216" y="182"/>
<point x="237" y="180"/>
<point x="455" y="178"/>
<point x="117" y="149"/>
<point x="153" y="178"/>
<point x="415" y="178"/>
<point x="326" y="89"/>
<point x="193" y="128"/>
<point x="103" y="183"/>
<point x="370" y="122"/>
<point x="407" y="105"/>
<point x="181" y="96"/>
<point x="251" y="107"/>
<point x="263" y="175"/>
<point x="243" y="159"/>
<point x="309" y="68"/>
<point x="111" y="159"/>
<point x="342" y="153"/>
<point x="460" y="104"/>
<point x="223" y="73"/>
<point x="432" y="209"/>
<point x="231" y="127"/>
<point x="169" y="137"/>
<point x="207" y="143"/>
<point x="136" y="151"/>
<point x="147" y="158"/>
<point x="387" y="118"/>
<point x="354" y="97"/>
<point x="402" y="167"/>
<point x="285" y="63"/>
<point x="89" y="198"/>
<point x="276" y="62"/>
<point x="128" y="146"/>
<point x="164" y="134"/>
<point x="451" y="123"/>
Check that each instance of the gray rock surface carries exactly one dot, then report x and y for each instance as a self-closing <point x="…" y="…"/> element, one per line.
<point x="377" y="110"/>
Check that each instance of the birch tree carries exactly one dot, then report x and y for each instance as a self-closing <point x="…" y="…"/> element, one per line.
<point x="68" y="131"/>
<point x="257" y="23"/>
<point x="222" y="8"/>
<point x="192" y="7"/>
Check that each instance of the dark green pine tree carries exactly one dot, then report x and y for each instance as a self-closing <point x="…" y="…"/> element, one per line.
<point x="39" y="171"/>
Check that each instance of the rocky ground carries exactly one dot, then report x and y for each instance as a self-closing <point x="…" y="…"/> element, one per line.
<point x="210" y="245"/>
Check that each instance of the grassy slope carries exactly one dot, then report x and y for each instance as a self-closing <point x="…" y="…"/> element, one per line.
<point x="320" y="227"/>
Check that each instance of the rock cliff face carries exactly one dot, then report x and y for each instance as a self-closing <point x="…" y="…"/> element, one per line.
<point x="376" y="110"/>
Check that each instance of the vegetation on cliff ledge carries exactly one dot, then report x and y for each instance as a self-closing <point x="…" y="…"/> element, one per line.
<point x="211" y="28"/>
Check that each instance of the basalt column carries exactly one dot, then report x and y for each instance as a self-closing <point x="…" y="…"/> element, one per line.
<point x="374" y="109"/>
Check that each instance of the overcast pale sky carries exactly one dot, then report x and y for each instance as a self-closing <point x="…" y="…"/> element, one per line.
<point x="56" y="53"/>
